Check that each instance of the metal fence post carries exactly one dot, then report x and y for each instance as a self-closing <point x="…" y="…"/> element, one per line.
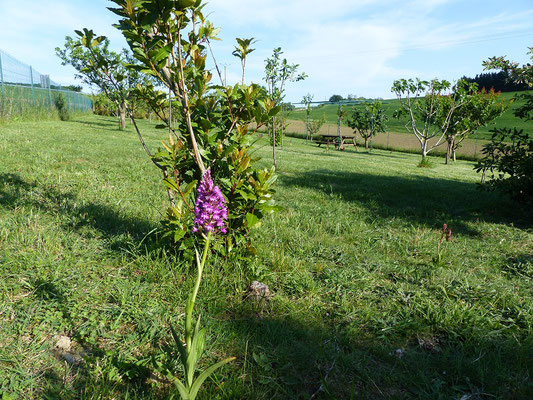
<point x="2" y="78"/>
<point x="32" y="89"/>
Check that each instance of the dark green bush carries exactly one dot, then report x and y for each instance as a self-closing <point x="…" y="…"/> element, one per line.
<point x="61" y="106"/>
<point x="508" y="158"/>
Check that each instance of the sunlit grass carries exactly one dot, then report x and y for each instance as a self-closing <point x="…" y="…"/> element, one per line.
<point x="360" y="307"/>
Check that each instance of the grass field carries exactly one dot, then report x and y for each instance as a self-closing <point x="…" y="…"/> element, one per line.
<point x="360" y="309"/>
<point x="507" y="119"/>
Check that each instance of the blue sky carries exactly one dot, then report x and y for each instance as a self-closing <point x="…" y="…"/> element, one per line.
<point x="345" y="46"/>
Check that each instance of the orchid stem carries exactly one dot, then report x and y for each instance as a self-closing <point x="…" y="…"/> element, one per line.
<point x="192" y="299"/>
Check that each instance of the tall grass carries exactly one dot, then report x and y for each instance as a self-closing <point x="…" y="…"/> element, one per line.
<point x="24" y="104"/>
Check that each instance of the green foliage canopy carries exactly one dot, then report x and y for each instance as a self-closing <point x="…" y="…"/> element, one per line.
<point x="368" y="120"/>
<point x="170" y="42"/>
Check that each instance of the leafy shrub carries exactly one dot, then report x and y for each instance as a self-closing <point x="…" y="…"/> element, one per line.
<point x="508" y="158"/>
<point x="102" y="105"/>
<point x="61" y="106"/>
<point x="314" y="126"/>
<point x="211" y="124"/>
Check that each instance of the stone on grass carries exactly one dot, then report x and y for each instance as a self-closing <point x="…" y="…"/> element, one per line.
<point x="258" y="291"/>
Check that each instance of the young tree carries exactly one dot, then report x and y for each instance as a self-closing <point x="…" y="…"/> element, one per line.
<point x="307" y="100"/>
<point x="420" y="102"/>
<point x="368" y="121"/>
<point x="509" y="160"/>
<point x="478" y="109"/>
<point x="81" y="58"/>
<point x="208" y="143"/>
<point x="277" y="73"/>
<point x="241" y="52"/>
<point x="315" y="125"/>
<point x="341" y="113"/>
<point x="170" y="42"/>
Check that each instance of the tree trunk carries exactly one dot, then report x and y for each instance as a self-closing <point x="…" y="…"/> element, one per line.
<point x="453" y="150"/>
<point x="307" y="128"/>
<point x="449" y="151"/>
<point x="274" y="141"/>
<point x="121" y="116"/>
<point x="424" y="147"/>
<point x="366" y="143"/>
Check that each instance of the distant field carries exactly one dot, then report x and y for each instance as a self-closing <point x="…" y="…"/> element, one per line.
<point x="470" y="148"/>
<point x="330" y="113"/>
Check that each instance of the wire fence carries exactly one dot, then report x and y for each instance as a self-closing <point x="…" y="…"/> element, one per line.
<point x="24" y="90"/>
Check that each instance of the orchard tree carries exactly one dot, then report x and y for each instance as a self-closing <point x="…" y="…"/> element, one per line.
<point x="307" y="100"/>
<point x="315" y="125"/>
<point x="341" y="113"/>
<point x="83" y="58"/>
<point x="277" y="73"/>
<point x="428" y="117"/>
<point x="479" y="108"/>
<point x="335" y="98"/>
<point x="241" y="52"/>
<point x="368" y="120"/>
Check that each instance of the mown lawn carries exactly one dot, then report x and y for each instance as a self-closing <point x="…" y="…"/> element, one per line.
<point x="360" y="309"/>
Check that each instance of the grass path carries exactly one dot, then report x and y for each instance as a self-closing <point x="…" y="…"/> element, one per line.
<point x="359" y="308"/>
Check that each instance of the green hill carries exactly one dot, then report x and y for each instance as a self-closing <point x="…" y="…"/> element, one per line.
<point x="329" y="111"/>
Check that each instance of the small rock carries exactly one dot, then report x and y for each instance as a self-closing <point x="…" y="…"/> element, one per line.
<point x="428" y="343"/>
<point x="63" y="343"/>
<point x="399" y="353"/>
<point x="258" y="291"/>
<point x="72" y="359"/>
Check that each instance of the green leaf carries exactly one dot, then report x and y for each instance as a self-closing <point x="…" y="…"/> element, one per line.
<point x="170" y="184"/>
<point x="204" y="375"/>
<point x="179" y="345"/>
<point x="194" y="353"/>
<point x="251" y="219"/>
<point x="178" y="234"/>
<point x="190" y="187"/>
<point x="97" y="41"/>
<point x="274" y="111"/>
<point x="185" y="395"/>
<point x="163" y="53"/>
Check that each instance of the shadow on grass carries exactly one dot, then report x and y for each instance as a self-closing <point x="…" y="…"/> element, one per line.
<point x="290" y="359"/>
<point x="99" y="122"/>
<point x="420" y="200"/>
<point x="77" y="379"/>
<point x="118" y="230"/>
<point x="520" y="265"/>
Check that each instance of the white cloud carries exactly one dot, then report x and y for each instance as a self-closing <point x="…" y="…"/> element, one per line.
<point x="345" y="46"/>
<point x="352" y="46"/>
